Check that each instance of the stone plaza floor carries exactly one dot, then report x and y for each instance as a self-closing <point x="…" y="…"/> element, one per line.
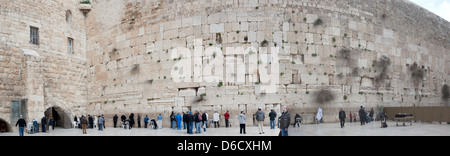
<point x="324" y="129"/>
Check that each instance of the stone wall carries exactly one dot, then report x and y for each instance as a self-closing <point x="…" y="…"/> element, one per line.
<point x="131" y="43"/>
<point x="365" y="53"/>
<point x="44" y="75"/>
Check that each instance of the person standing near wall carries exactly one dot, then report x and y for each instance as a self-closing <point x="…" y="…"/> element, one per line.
<point x="198" y="120"/>
<point x="351" y="116"/>
<point x="227" y="117"/>
<point x="285" y="120"/>
<point x="44" y="123"/>
<point x="179" y="118"/>
<point x="21" y="122"/>
<point x="362" y="115"/>
<point x="216" y="118"/>
<point x="272" y="117"/>
<point x="139" y="120"/>
<point x="115" y="120"/>
<point x="131" y="120"/>
<point x="100" y="123"/>
<point x="35" y="125"/>
<point x="342" y="118"/>
<point x="146" y="119"/>
<point x="159" y="122"/>
<point x="185" y="120"/>
<point x="84" y="123"/>
<point x="204" y="121"/>
<point x="242" y="119"/>
<point x="260" y="119"/>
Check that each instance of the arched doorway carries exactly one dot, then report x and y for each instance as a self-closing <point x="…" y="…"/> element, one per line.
<point x="4" y="126"/>
<point x="60" y="118"/>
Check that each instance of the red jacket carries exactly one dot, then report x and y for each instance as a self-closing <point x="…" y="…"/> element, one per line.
<point x="227" y="116"/>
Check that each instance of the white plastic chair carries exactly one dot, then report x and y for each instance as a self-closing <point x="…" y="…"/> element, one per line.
<point x="75" y="125"/>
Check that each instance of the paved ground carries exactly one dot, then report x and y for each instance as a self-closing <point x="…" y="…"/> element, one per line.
<point x="333" y="129"/>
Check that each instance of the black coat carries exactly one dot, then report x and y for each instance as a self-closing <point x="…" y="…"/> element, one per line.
<point x="115" y="118"/>
<point x="91" y="120"/>
<point x="362" y="114"/>
<point x="123" y="118"/>
<point x="190" y="118"/>
<point x="204" y="117"/>
<point x="342" y="115"/>
<point x="272" y="115"/>
<point x="44" y="121"/>
<point x="131" y="119"/>
<point x="184" y="117"/>
<point x="285" y="120"/>
<point x="196" y="119"/>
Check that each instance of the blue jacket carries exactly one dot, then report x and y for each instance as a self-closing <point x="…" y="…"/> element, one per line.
<point x="146" y="119"/>
<point x="178" y="118"/>
<point x="159" y="117"/>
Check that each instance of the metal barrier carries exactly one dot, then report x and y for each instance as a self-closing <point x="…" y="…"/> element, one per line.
<point x="439" y="114"/>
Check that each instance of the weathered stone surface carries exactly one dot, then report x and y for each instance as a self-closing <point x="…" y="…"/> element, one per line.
<point x="121" y="62"/>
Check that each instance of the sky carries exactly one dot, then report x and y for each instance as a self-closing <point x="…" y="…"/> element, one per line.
<point x="438" y="7"/>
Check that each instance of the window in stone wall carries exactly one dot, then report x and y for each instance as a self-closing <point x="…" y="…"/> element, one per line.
<point x="70" y="45"/>
<point x="34" y="35"/>
<point x="68" y="16"/>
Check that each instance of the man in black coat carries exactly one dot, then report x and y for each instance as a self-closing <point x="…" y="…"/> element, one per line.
<point x="44" y="123"/>
<point x="342" y="117"/>
<point x="362" y="115"/>
<point x="184" y="120"/>
<point x="115" y="120"/>
<point x="190" y="121"/>
<point x="131" y="117"/>
<point x="285" y="120"/>
<point x="91" y="121"/>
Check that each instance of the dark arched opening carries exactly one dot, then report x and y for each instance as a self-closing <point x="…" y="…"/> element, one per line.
<point x="60" y="118"/>
<point x="4" y="126"/>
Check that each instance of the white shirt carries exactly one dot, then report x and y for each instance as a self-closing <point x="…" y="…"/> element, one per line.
<point x="319" y="114"/>
<point x="216" y="117"/>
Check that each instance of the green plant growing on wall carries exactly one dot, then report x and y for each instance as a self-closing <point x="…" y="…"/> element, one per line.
<point x="220" y="84"/>
<point x="382" y="64"/>
<point x="264" y="43"/>
<point x="417" y="74"/>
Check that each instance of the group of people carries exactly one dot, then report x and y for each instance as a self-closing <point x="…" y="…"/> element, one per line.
<point x="198" y="120"/>
<point x="46" y="123"/>
<point x="85" y="122"/>
<point x="364" y="116"/>
<point x="284" y="120"/>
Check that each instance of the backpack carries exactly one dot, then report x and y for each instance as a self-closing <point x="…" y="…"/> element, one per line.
<point x="200" y="117"/>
